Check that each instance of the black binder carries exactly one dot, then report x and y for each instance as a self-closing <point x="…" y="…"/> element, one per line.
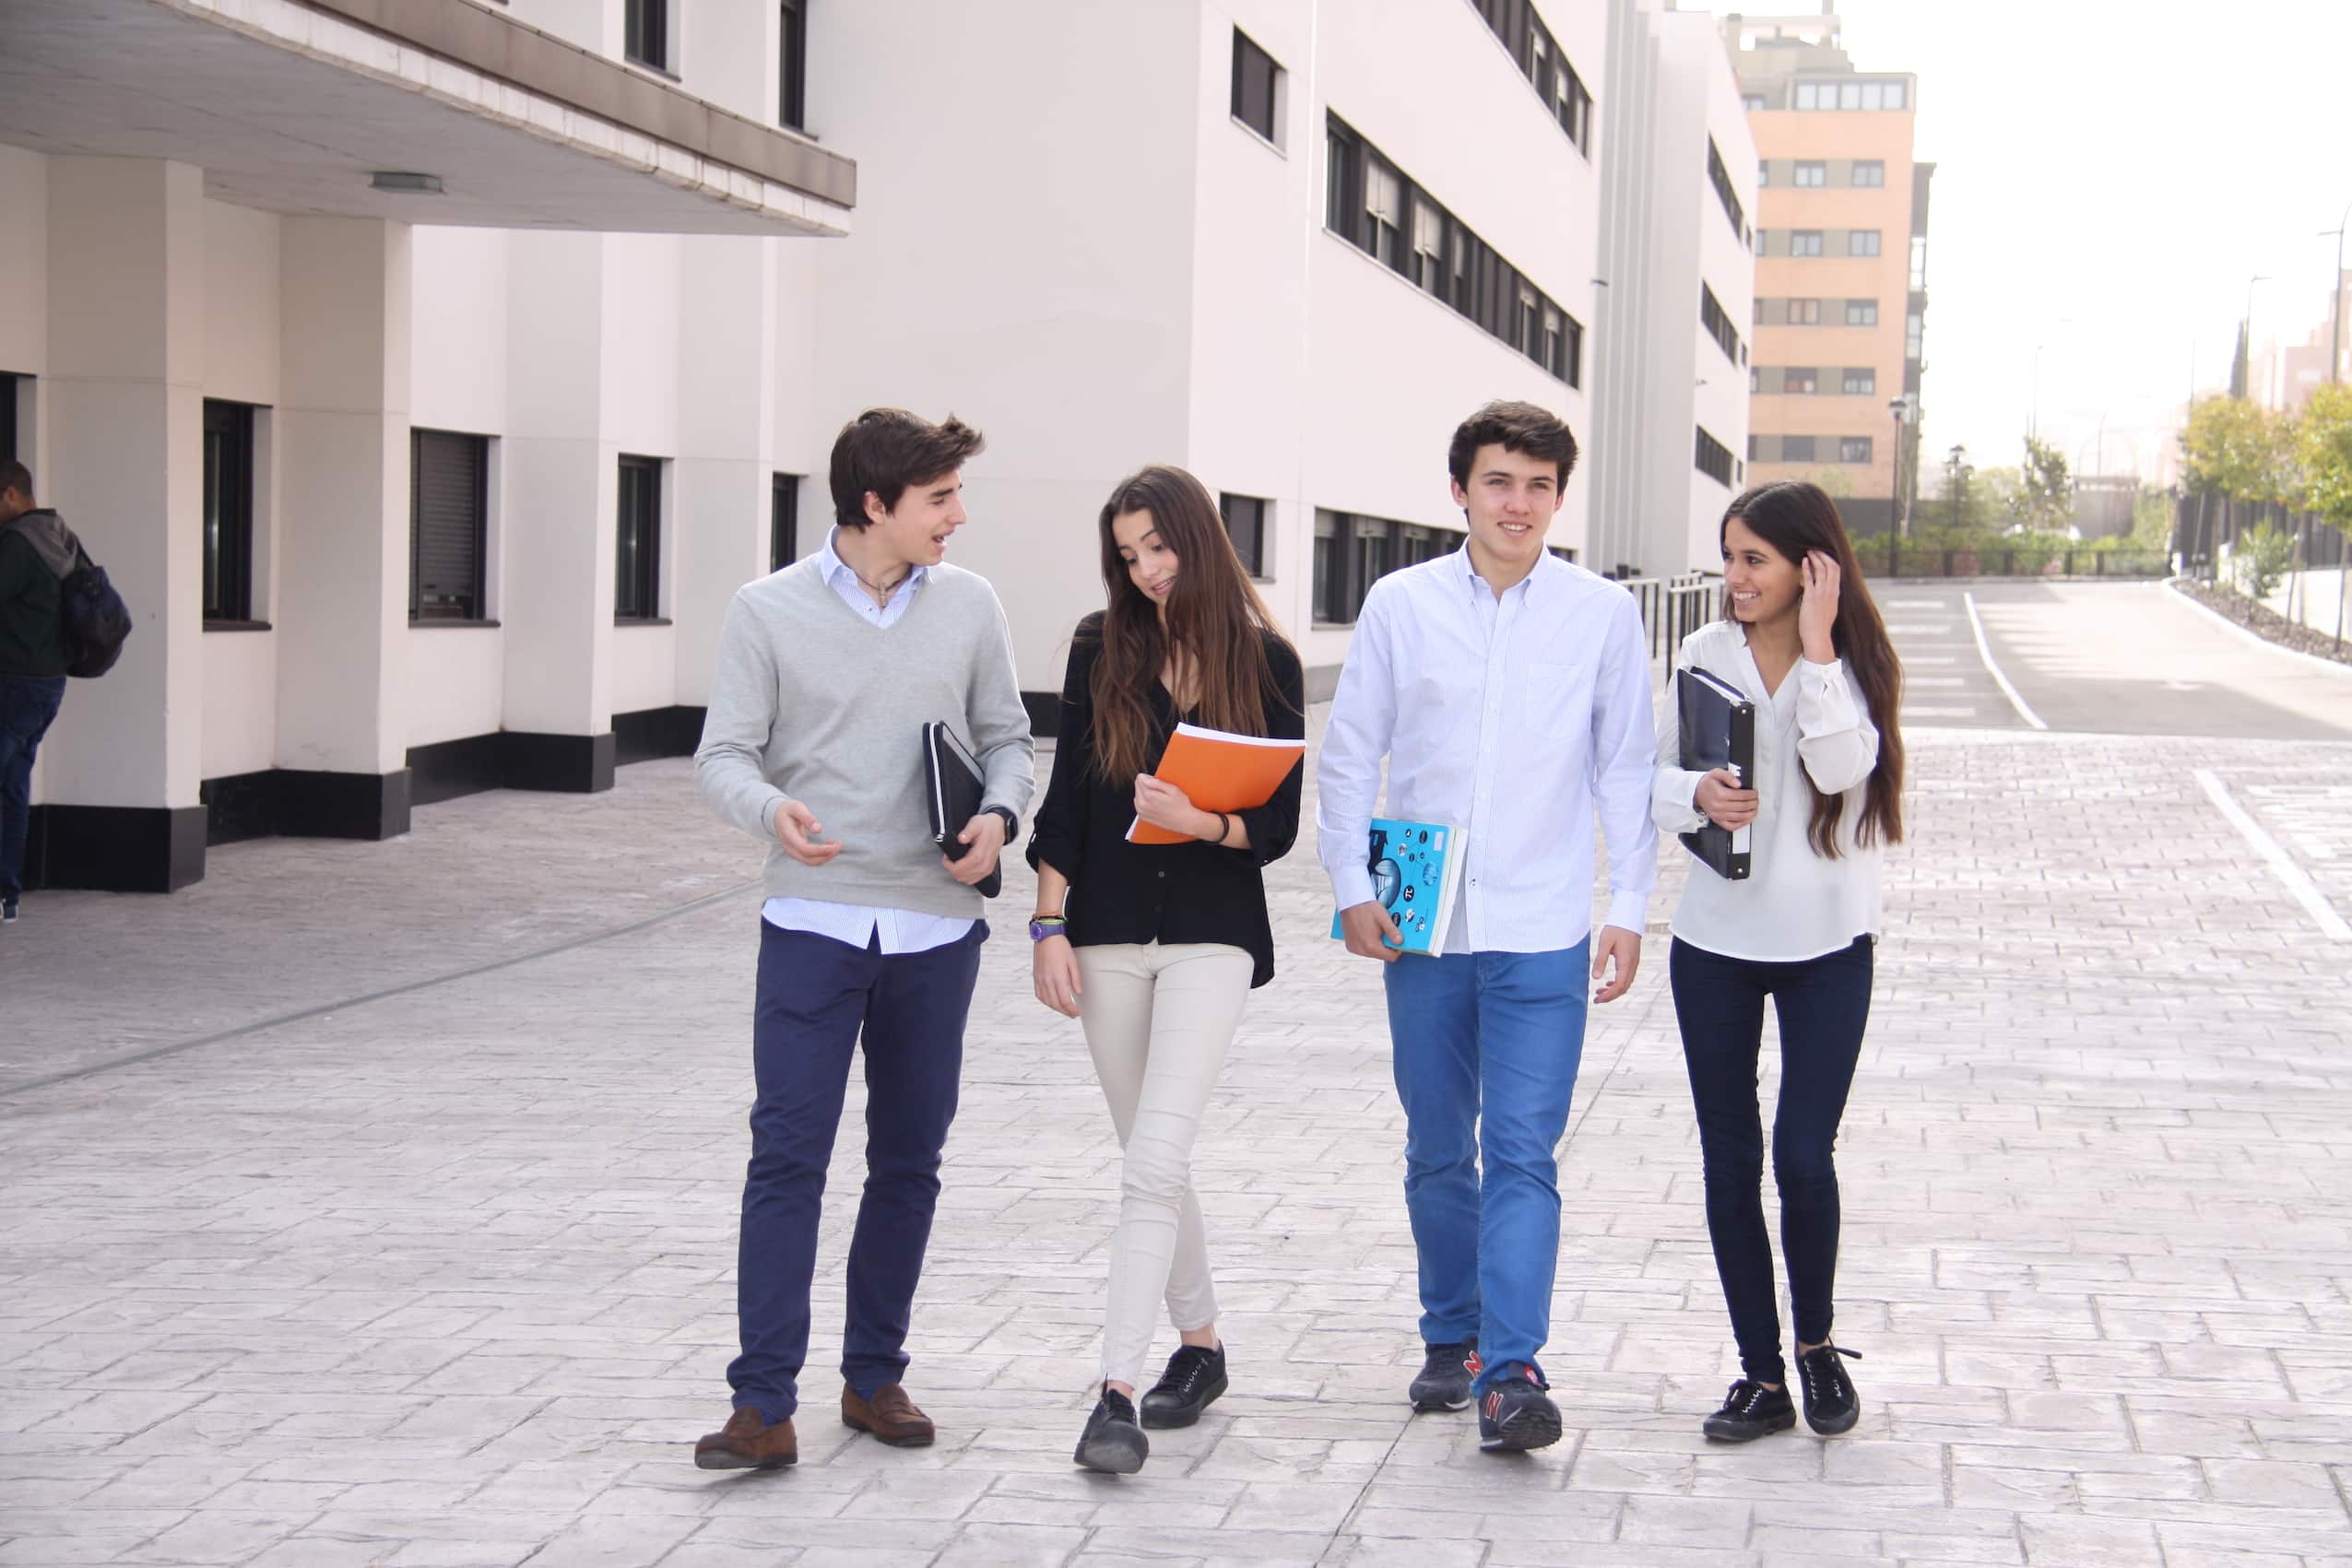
<point x="954" y="780"/>
<point x="1718" y="725"/>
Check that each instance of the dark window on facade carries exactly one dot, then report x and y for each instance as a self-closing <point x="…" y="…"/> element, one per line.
<point x="228" y="510"/>
<point x="636" y="583"/>
<point x="1545" y="65"/>
<point x="1244" y="518"/>
<point x="784" y="521"/>
<point x="647" y="32"/>
<point x="1862" y="243"/>
<point x="1721" y="178"/>
<point x="1799" y="381"/>
<point x="1255" y="75"/>
<point x="1353" y="552"/>
<point x="1870" y="174"/>
<point x="1714" y="458"/>
<point x="1796" y="449"/>
<point x="448" y="526"/>
<point x="1860" y="384"/>
<point x="1804" y="241"/>
<point x="792" y="74"/>
<point x="1862" y="313"/>
<point x="1374" y="207"/>
<point x="1712" y="316"/>
<point x="1854" y="449"/>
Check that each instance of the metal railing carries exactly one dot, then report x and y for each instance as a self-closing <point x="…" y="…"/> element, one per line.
<point x="1673" y="608"/>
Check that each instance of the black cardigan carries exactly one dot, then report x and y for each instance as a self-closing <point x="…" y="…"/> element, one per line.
<point x="1188" y="893"/>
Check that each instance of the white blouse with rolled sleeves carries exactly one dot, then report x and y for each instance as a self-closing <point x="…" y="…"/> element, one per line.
<point x="1794" y="904"/>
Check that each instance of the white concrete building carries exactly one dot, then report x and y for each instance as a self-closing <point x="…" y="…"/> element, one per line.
<point x="1671" y="371"/>
<point x="429" y="375"/>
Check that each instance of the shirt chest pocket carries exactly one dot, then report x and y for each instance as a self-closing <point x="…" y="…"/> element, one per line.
<point x="1554" y="701"/>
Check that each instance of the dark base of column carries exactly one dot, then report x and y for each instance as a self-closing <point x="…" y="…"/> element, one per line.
<point x="115" y="849"/>
<point x="299" y="803"/>
<point x="653" y="733"/>
<point x="570" y="764"/>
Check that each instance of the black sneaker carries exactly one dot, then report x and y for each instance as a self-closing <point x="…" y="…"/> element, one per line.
<point x="1112" y="1442"/>
<point x="1750" y="1411"/>
<point x="1447" y="1372"/>
<point x="1194" y="1378"/>
<point x="1517" y="1414"/>
<point x="1831" y="1404"/>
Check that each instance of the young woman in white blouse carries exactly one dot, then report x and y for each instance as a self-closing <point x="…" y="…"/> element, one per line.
<point x="1802" y="639"/>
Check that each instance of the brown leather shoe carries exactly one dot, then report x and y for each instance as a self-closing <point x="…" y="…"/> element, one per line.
<point x="747" y="1443"/>
<point x="890" y="1415"/>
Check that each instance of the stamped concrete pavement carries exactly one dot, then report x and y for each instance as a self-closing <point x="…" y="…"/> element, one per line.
<point x="444" y="1277"/>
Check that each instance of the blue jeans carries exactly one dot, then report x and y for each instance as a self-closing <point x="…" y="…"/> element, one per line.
<point x="28" y="703"/>
<point x="1486" y="1047"/>
<point x="1823" y="1005"/>
<point x="819" y="1000"/>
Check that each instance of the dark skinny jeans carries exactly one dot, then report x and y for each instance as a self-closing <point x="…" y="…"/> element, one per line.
<point x="1823" y="1005"/>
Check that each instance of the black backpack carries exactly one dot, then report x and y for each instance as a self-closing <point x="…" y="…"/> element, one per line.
<point x="95" y="621"/>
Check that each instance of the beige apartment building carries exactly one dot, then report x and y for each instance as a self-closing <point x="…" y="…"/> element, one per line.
<point x="1840" y="270"/>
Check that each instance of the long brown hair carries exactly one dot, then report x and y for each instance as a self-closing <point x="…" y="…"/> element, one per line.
<point x="1795" y="519"/>
<point x="1216" y="620"/>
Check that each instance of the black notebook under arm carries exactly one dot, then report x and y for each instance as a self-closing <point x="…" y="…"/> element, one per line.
<point x="1718" y="725"/>
<point x="953" y="784"/>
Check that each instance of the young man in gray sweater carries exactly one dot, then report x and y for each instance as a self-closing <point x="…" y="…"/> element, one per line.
<point x="827" y="672"/>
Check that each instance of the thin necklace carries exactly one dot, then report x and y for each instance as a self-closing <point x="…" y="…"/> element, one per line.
<point x="880" y="592"/>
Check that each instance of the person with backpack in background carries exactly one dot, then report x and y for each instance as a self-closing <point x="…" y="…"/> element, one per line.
<point x="37" y="551"/>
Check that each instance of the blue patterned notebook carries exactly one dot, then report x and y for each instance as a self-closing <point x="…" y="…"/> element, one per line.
<point x="1416" y="870"/>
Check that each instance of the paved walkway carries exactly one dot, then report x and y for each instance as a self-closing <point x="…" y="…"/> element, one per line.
<point x="444" y="1277"/>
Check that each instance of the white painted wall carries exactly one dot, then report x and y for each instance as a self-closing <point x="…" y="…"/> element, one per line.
<point x="456" y="684"/>
<point x="1046" y="303"/>
<point x="1661" y="375"/>
<point x="1251" y="255"/>
<point x="1704" y="90"/>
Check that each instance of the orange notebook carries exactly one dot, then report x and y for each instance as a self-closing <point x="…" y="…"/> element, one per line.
<point x="1220" y="771"/>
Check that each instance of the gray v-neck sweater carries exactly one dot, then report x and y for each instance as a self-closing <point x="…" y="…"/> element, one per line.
<point x="812" y="701"/>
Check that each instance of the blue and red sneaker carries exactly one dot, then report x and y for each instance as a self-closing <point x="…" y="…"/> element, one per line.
<point x="1515" y="1413"/>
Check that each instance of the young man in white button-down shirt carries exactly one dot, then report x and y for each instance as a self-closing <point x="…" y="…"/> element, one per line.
<point x="1509" y="693"/>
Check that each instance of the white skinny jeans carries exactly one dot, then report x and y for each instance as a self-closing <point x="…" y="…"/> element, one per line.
<point x="1158" y="1023"/>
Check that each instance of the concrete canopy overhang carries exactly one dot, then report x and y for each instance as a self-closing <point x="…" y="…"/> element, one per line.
<point x="290" y="107"/>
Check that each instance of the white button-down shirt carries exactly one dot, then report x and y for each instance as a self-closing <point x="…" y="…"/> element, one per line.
<point x="1511" y="719"/>
<point x="1794" y="904"/>
<point x="899" y="930"/>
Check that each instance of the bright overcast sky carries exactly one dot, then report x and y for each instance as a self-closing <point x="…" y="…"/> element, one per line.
<point x="2108" y="177"/>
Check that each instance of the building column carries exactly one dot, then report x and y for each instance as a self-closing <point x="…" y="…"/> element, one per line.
<point x="341" y="437"/>
<point x="725" y="419"/>
<point x="125" y="410"/>
<point x="560" y="491"/>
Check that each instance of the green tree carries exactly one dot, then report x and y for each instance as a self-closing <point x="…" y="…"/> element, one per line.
<point x="2326" y="453"/>
<point x="2151" y="512"/>
<point x="2044" y="502"/>
<point x="2238" y="448"/>
<point x="2262" y="557"/>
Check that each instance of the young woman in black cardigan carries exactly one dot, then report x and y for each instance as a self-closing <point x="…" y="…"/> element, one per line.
<point x="1155" y="949"/>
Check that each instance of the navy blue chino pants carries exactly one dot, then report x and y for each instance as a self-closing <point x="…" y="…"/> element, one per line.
<point x="818" y="1001"/>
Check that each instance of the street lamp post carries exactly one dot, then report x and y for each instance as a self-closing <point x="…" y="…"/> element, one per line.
<point x="1899" y="407"/>
<point x="2246" y="325"/>
<point x="2336" y="305"/>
